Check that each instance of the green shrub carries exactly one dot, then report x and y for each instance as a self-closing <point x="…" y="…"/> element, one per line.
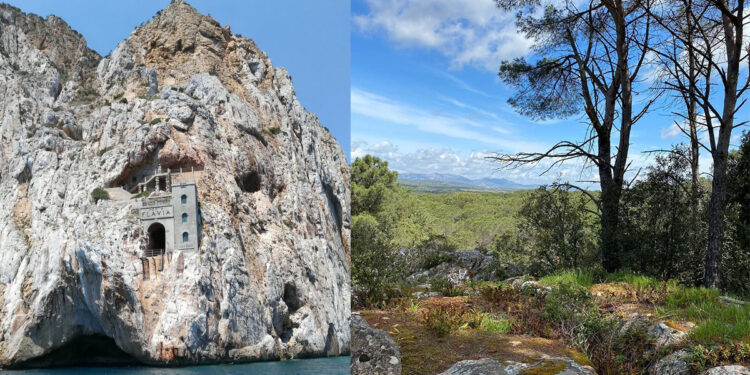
<point x="446" y="318"/>
<point x="490" y="324"/>
<point x="99" y="194"/>
<point x="105" y="150"/>
<point x="376" y="267"/>
<point x="445" y="287"/>
<point x="579" y="278"/>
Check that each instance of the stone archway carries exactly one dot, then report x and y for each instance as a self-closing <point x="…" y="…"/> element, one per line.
<point x="156" y="239"/>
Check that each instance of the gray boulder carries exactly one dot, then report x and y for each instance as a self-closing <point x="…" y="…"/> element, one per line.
<point x="373" y="351"/>
<point x="484" y="366"/>
<point x="487" y="366"/>
<point x="459" y="266"/>
<point x="677" y="363"/>
<point x="666" y="335"/>
<point x="729" y="370"/>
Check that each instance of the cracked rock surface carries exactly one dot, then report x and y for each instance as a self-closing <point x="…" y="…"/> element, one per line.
<point x="271" y="277"/>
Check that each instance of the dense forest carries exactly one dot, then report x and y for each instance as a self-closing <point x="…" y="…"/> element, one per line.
<point x="663" y="223"/>
<point x="405" y="245"/>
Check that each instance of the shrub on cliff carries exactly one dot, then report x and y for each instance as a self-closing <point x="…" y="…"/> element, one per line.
<point x="99" y="194"/>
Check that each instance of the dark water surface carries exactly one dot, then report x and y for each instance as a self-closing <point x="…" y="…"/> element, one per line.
<point x="318" y="366"/>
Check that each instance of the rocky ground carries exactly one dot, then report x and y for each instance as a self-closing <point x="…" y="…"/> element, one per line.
<point x="473" y="324"/>
<point x="271" y="277"/>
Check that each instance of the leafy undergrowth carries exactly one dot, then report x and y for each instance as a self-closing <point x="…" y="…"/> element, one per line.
<point x="580" y="313"/>
<point x="428" y="351"/>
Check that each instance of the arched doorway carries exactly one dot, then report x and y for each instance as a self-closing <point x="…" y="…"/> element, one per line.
<point x="156" y="239"/>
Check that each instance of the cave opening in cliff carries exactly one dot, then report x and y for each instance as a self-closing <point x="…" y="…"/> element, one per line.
<point x="156" y="239"/>
<point x="85" y="350"/>
<point x="249" y="182"/>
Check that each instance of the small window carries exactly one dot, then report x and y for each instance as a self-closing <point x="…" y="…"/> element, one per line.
<point x="184" y="218"/>
<point x="185" y="237"/>
<point x="183" y="199"/>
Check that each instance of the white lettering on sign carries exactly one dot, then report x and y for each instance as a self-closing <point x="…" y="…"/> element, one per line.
<point x="155" y="212"/>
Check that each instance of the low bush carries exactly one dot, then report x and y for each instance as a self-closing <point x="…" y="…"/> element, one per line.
<point x="446" y="318"/>
<point x="495" y="325"/>
<point x="99" y="194"/>
<point x="445" y="287"/>
<point x="580" y="278"/>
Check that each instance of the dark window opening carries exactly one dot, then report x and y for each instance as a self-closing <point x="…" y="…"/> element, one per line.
<point x="183" y="199"/>
<point x="184" y="218"/>
<point x="185" y="237"/>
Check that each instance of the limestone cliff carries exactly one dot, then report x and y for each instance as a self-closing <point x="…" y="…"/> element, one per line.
<point x="271" y="277"/>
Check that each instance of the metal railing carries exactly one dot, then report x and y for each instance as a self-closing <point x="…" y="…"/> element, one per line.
<point x="153" y="252"/>
<point x="157" y="201"/>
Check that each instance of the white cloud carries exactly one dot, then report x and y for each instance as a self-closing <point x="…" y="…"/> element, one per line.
<point x="468" y="32"/>
<point x="671" y="131"/>
<point x="474" y="165"/>
<point x="375" y="106"/>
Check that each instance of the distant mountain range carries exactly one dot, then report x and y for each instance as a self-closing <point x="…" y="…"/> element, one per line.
<point x="443" y="182"/>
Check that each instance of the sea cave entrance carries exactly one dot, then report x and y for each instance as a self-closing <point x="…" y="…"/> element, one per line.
<point x="86" y="350"/>
<point x="156" y="239"/>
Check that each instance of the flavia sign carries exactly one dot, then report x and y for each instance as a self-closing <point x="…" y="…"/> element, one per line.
<point x="156" y="212"/>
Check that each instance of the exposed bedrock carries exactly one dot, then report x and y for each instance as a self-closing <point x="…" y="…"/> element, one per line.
<point x="271" y="277"/>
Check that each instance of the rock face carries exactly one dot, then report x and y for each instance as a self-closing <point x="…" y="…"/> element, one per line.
<point x="459" y="267"/>
<point x="676" y="363"/>
<point x="374" y="352"/>
<point x="487" y="366"/>
<point x="484" y="366"/>
<point x="271" y="277"/>
<point x="729" y="370"/>
<point x="664" y="335"/>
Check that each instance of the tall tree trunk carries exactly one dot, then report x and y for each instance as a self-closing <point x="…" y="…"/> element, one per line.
<point x="733" y="42"/>
<point x="610" y="245"/>
<point x="715" y="224"/>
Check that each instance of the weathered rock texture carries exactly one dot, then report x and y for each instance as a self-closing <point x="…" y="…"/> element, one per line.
<point x="374" y="352"/>
<point x="488" y="366"/>
<point x="271" y="277"/>
<point x="729" y="370"/>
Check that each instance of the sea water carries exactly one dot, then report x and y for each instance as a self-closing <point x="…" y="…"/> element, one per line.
<point x="317" y="366"/>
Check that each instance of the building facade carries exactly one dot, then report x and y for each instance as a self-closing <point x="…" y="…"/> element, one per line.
<point x="170" y="216"/>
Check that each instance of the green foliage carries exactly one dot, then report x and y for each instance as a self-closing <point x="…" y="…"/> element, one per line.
<point x="371" y="179"/>
<point x="717" y="322"/>
<point x="155" y="121"/>
<point x="445" y="287"/>
<point x="490" y="324"/>
<point x="663" y="221"/>
<point x="99" y="194"/>
<point x="546" y="90"/>
<point x="446" y="318"/>
<point x="559" y="232"/>
<point x="105" y="150"/>
<point x="735" y="265"/>
<point x="706" y="357"/>
<point x="376" y="268"/>
<point x="275" y="130"/>
<point x="142" y="194"/>
<point x="579" y="278"/>
<point x="636" y="280"/>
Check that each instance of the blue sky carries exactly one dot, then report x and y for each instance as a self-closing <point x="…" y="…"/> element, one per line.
<point x="426" y="97"/>
<point x="309" y="38"/>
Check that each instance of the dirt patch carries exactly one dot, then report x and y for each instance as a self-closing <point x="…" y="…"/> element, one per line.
<point x="424" y="352"/>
